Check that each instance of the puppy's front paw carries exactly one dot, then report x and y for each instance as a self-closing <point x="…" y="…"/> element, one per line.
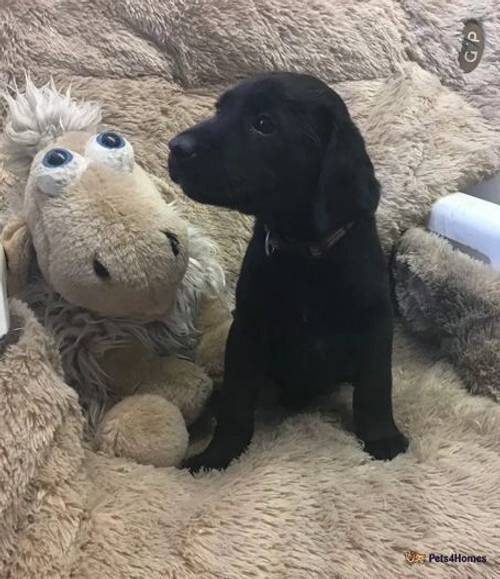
<point x="207" y="460"/>
<point x="388" y="447"/>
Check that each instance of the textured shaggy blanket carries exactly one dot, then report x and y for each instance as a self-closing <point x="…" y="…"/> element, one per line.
<point x="453" y="302"/>
<point x="304" y="501"/>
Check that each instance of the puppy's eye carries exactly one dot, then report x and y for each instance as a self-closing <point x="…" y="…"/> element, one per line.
<point x="264" y="125"/>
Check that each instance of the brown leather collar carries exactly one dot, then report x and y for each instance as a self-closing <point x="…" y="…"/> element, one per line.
<point x="274" y="243"/>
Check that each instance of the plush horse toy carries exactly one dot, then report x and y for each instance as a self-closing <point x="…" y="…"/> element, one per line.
<point x="131" y="291"/>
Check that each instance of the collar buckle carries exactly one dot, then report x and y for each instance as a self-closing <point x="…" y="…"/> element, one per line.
<point x="268" y="245"/>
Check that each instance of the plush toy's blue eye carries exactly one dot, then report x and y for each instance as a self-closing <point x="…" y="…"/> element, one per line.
<point x="57" y="158"/>
<point x="110" y="140"/>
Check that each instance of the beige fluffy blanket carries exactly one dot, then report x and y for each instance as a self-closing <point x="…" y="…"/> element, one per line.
<point x="305" y="501"/>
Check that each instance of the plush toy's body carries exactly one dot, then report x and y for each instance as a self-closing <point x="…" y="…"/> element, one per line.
<point x="132" y="292"/>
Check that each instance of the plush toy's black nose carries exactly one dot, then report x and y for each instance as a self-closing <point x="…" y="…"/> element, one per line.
<point x="100" y="270"/>
<point x="173" y="241"/>
<point x="183" y="146"/>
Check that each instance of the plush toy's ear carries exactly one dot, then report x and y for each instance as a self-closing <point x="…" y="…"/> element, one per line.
<point x="347" y="186"/>
<point x="16" y="242"/>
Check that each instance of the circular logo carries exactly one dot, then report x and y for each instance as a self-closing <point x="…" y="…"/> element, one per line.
<point x="473" y="41"/>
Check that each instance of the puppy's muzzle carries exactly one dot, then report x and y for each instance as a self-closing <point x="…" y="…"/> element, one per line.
<point x="183" y="147"/>
<point x="183" y="151"/>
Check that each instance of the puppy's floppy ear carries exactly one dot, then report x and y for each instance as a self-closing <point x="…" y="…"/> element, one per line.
<point x="347" y="187"/>
<point x="16" y="242"/>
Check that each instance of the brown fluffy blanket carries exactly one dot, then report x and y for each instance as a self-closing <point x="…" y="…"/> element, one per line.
<point x="453" y="302"/>
<point x="305" y="501"/>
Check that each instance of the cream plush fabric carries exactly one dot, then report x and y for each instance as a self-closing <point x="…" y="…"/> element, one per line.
<point x="305" y="501"/>
<point x="157" y="64"/>
<point x="213" y="41"/>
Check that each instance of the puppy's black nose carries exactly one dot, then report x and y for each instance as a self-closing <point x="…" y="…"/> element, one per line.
<point x="183" y="146"/>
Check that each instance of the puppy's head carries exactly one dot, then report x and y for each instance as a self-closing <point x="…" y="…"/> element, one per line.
<point x="282" y="143"/>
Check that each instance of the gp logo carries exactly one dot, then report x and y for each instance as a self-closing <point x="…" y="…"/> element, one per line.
<point x="473" y="42"/>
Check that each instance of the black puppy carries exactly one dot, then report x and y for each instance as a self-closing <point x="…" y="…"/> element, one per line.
<point x="313" y="303"/>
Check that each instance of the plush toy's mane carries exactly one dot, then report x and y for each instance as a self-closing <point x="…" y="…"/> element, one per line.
<point x="40" y="115"/>
<point x="36" y="117"/>
<point x="83" y="336"/>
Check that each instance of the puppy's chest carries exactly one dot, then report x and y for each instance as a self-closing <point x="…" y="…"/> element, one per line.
<point x="304" y="329"/>
<point x="308" y="302"/>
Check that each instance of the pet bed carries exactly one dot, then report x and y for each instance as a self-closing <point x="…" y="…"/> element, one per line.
<point x="305" y="500"/>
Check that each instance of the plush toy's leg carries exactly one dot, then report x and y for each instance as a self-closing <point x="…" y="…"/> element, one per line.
<point x="214" y="321"/>
<point x="132" y="370"/>
<point x="160" y="395"/>
<point x="145" y="428"/>
<point x="182" y="383"/>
